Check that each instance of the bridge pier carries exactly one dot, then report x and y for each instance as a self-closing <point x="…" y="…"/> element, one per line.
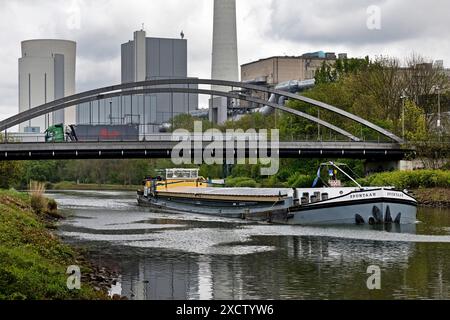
<point x="371" y="166"/>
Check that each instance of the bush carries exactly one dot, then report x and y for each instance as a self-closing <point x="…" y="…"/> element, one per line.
<point x="300" y="181"/>
<point x="38" y="201"/>
<point x="52" y="209"/>
<point x="272" y="182"/>
<point x="52" y="205"/>
<point x="247" y="184"/>
<point x="240" y="182"/>
<point x="38" y="204"/>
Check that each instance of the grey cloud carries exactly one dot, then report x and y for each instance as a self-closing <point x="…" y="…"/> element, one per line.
<point x="345" y="22"/>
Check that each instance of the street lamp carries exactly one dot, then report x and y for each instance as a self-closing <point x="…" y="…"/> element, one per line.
<point x="403" y="97"/>
<point x="110" y="113"/>
<point x="438" y="89"/>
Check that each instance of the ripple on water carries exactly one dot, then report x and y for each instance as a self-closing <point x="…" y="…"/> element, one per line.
<point x="216" y="241"/>
<point x="115" y="221"/>
<point x="346" y="233"/>
<point x="200" y="241"/>
<point x="111" y="200"/>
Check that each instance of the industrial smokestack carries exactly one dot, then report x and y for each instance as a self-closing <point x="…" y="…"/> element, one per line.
<point x="225" y="51"/>
<point x="224" y="55"/>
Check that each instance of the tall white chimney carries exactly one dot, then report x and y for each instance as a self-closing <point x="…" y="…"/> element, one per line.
<point x="140" y="56"/>
<point x="225" y="51"/>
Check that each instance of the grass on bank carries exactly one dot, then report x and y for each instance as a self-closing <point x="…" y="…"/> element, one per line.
<point x="33" y="261"/>
<point x="66" y="185"/>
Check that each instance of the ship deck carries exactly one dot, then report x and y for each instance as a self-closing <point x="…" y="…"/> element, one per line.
<point x="236" y="194"/>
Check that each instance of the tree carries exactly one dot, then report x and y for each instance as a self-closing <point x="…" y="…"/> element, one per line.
<point x="11" y="173"/>
<point x="329" y="73"/>
<point x="426" y="143"/>
<point x="186" y="122"/>
<point x="422" y="78"/>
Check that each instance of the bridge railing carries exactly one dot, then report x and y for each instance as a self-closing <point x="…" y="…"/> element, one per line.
<point x="14" y="138"/>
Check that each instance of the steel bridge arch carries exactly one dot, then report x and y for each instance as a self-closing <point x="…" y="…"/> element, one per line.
<point x="206" y="92"/>
<point x="117" y="90"/>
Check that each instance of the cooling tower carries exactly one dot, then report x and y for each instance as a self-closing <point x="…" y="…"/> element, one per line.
<point x="46" y="73"/>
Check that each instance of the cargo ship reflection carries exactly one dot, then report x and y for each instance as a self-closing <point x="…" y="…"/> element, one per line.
<point x="156" y="279"/>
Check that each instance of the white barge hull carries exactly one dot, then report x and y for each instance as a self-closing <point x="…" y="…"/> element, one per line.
<point x="373" y="213"/>
<point x="375" y="206"/>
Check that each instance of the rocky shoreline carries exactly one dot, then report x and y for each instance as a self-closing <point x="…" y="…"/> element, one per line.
<point x="99" y="277"/>
<point x="433" y="198"/>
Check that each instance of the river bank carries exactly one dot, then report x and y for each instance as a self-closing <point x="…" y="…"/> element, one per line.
<point x="34" y="261"/>
<point x="433" y="197"/>
<point x="89" y="187"/>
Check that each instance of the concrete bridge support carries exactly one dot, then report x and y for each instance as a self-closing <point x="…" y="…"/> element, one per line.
<point x="372" y="166"/>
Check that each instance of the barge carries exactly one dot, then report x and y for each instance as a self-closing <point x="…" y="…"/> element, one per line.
<point x="184" y="191"/>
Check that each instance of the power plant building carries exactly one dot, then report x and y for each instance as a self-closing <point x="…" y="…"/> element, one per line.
<point x="46" y="73"/>
<point x="143" y="59"/>
<point x="275" y="70"/>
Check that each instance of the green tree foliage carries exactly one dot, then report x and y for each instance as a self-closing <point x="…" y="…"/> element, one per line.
<point x="186" y="122"/>
<point x="120" y="172"/>
<point x="11" y="173"/>
<point x="299" y="180"/>
<point x="375" y="90"/>
<point x="331" y="73"/>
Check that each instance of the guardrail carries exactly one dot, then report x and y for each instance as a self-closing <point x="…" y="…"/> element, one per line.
<point x="13" y="138"/>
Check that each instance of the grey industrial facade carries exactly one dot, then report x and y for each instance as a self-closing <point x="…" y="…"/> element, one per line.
<point x="165" y="58"/>
<point x="145" y="58"/>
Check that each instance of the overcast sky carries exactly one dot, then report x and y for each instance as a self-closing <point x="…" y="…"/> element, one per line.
<point x="265" y="28"/>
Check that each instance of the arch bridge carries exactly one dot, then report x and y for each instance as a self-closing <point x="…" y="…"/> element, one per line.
<point x="354" y="148"/>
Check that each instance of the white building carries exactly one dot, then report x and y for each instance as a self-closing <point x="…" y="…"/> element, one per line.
<point x="46" y="73"/>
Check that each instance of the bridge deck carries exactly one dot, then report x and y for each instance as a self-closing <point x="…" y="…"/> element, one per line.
<point x="163" y="149"/>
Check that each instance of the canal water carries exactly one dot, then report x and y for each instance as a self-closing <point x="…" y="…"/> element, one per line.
<point x="162" y="256"/>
